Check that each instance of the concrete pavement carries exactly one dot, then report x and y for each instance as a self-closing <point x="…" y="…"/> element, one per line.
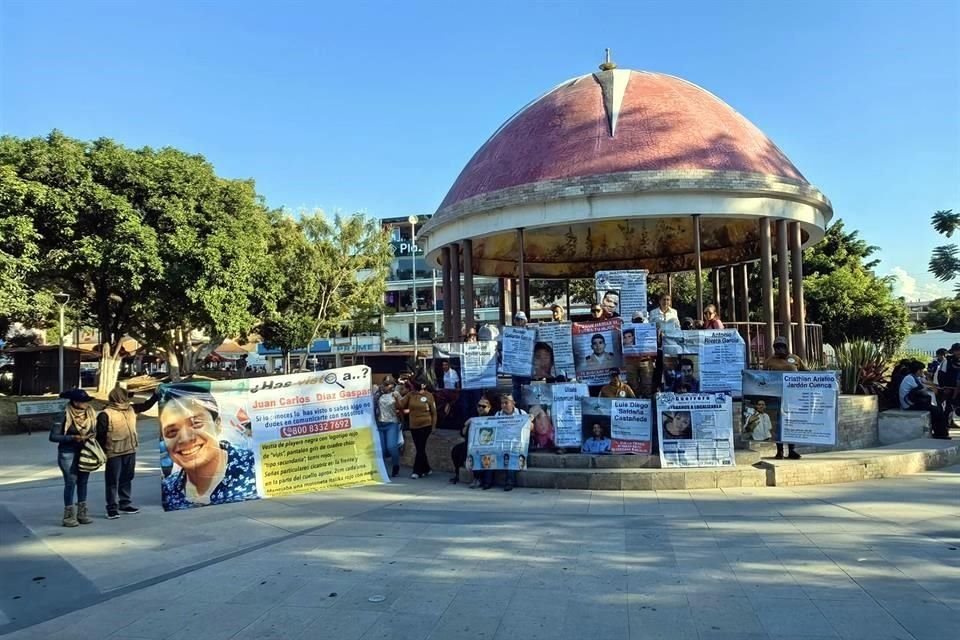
<point x="419" y="560"/>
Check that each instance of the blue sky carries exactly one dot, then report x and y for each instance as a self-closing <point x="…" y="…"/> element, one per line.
<point x="377" y="106"/>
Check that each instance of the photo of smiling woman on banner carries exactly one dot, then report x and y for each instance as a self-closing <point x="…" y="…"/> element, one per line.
<point x="208" y="468"/>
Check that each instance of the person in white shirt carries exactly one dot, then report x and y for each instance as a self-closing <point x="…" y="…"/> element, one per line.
<point x="758" y="425"/>
<point x="665" y="314"/>
<point x="915" y="397"/>
<point x="451" y="379"/>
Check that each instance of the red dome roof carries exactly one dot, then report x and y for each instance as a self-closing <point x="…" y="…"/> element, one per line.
<point x="661" y="123"/>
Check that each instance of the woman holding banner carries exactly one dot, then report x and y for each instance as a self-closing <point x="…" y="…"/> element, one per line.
<point x="211" y="470"/>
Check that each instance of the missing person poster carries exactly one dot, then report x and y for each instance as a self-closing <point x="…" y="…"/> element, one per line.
<point x="762" y="394"/>
<point x="498" y="442"/>
<point x="615" y="425"/>
<point x="638" y="339"/>
<point x="808" y="410"/>
<point x="622" y="293"/>
<point x="553" y="351"/>
<point x="596" y="348"/>
<point x="517" y="350"/>
<point x="696" y="430"/>
<point x="478" y="362"/>
<point x="708" y="361"/>
<point x="567" y="413"/>
<point x="235" y="440"/>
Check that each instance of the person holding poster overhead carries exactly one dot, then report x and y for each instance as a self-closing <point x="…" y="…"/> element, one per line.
<point x="211" y="470"/>
<point x="665" y="315"/>
<point x="556" y="312"/>
<point x="783" y="360"/>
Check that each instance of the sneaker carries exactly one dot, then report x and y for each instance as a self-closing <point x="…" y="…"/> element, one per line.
<point x="794" y="455"/>
<point x="112" y="514"/>
<point x="129" y="509"/>
<point x="415" y="476"/>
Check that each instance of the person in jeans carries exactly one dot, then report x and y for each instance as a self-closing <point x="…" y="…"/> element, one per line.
<point x="117" y="434"/>
<point x="915" y="397"/>
<point x="388" y="423"/>
<point x="78" y="425"/>
<point x="421" y="411"/>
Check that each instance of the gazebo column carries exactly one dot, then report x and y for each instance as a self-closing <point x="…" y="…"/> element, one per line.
<point x="522" y="281"/>
<point x="506" y="300"/>
<point x="447" y="289"/>
<point x="455" y="325"/>
<point x="766" y="284"/>
<point x="468" y="309"/>
<point x="744" y="283"/>
<point x="566" y="295"/>
<point x="698" y="265"/>
<point x="731" y="294"/>
<point x="799" y="308"/>
<point x="716" y="290"/>
<point x="783" y="283"/>
<point x="670" y="284"/>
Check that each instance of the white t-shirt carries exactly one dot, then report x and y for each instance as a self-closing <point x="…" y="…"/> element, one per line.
<point x="659" y="318"/>
<point x="451" y="379"/>
<point x="908" y="384"/>
<point x="763" y="428"/>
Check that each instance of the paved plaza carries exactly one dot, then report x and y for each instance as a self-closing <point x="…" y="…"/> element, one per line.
<point x="421" y="559"/>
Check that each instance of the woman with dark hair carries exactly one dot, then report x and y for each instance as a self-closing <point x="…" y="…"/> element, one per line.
<point x="211" y="470"/>
<point x="78" y="424"/>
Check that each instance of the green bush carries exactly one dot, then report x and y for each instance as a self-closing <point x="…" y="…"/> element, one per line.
<point x="862" y="366"/>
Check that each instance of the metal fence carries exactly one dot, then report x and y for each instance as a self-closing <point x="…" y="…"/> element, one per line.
<point x="753" y="336"/>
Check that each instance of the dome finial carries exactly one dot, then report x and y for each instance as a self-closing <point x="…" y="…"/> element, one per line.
<point x="608" y="64"/>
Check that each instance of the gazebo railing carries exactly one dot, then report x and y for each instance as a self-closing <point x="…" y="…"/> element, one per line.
<point x="753" y="336"/>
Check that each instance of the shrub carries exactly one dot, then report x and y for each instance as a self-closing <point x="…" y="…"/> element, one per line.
<point x="862" y="366"/>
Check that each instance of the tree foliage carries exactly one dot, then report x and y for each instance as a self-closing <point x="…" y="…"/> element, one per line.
<point x="945" y="260"/>
<point x="943" y="313"/>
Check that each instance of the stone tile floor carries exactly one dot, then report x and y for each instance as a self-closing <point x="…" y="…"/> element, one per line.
<point x="869" y="560"/>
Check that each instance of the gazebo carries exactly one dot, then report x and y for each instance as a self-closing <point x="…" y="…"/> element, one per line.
<point x="623" y="169"/>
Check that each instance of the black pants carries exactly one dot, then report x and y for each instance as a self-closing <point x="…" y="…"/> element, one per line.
<point x="938" y="419"/>
<point x="458" y="455"/>
<point x="421" y="465"/>
<point x="118" y="478"/>
<point x="790" y="448"/>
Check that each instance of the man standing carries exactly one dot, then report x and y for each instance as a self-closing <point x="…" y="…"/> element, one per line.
<point x="783" y="360"/>
<point x="664" y="314"/>
<point x="556" y="311"/>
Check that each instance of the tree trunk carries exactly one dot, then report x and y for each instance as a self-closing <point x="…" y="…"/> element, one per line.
<point x="173" y="365"/>
<point x="110" y="361"/>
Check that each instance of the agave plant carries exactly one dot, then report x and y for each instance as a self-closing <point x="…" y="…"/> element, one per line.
<point x="862" y="367"/>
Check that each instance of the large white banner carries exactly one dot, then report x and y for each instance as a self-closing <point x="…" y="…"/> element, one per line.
<point x="553" y="351"/>
<point x="709" y="361"/>
<point x="696" y="430"/>
<point x="596" y="347"/>
<point x="498" y="442"/>
<point x="623" y="293"/>
<point x="478" y="362"/>
<point x="517" y="350"/>
<point x="809" y="408"/>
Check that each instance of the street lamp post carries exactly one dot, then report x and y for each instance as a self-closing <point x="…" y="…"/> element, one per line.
<point x="413" y="220"/>
<point x="62" y="299"/>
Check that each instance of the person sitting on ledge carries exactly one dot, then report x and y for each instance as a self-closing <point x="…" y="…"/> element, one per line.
<point x="915" y="397"/>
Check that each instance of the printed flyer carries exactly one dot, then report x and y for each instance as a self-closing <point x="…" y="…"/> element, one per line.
<point x="638" y="339"/>
<point x="498" y="442"/>
<point x="567" y="413"/>
<point x="517" y="350"/>
<point x="596" y="347"/>
<point x="478" y="362"/>
<point x="236" y="440"/>
<point x="615" y="425"/>
<point x="709" y="361"/>
<point x="696" y="430"/>
<point x="553" y="351"/>
<point x="622" y="293"/>
<point x="808" y="411"/>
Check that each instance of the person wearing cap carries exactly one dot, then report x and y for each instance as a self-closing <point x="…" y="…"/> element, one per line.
<point x="117" y="434"/>
<point x="77" y="425"/>
<point x="783" y="360"/>
<point x="664" y="314"/>
<point x="617" y="387"/>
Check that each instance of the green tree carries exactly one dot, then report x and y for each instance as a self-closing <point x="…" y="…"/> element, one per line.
<point x="945" y="260"/>
<point x="944" y="313"/>
<point x="148" y="243"/>
<point x="845" y="296"/>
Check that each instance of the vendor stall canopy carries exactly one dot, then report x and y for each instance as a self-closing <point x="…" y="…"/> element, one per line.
<point x="607" y="171"/>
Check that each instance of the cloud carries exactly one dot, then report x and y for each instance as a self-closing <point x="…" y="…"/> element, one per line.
<point x="912" y="289"/>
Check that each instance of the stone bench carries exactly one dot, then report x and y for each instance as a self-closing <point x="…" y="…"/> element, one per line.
<point x="896" y="425"/>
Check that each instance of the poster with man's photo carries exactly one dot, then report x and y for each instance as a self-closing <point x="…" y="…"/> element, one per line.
<point x="553" y="351"/>
<point x="498" y="442"/>
<point x="516" y="345"/>
<point x="615" y="425"/>
<point x="476" y="361"/>
<point x="596" y="348"/>
<point x="762" y="392"/>
<point x="623" y="293"/>
<point x="638" y="339"/>
<point x="696" y="430"/>
<point x="708" y="361"/>
<point x="249" y="438"/>
<point x="795" y="407"/>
